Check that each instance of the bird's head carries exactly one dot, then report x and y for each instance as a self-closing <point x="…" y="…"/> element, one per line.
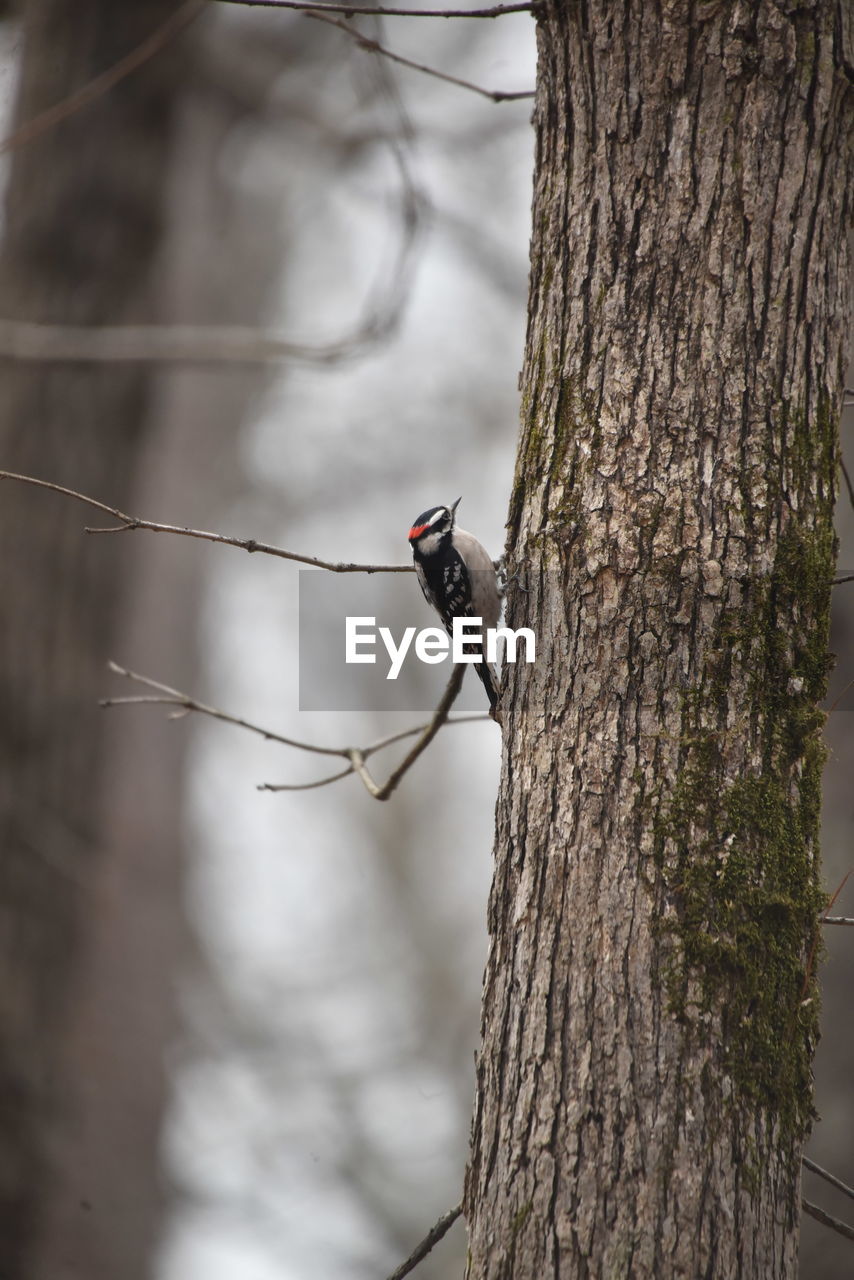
<point x="432" y="528"/>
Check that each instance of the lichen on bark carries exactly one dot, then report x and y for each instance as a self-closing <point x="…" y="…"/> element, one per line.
<point x="737" y="830"/>
<point x="649" y="1008"/>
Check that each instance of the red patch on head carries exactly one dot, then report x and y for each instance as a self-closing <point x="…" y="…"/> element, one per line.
<point x="416" y="531"/>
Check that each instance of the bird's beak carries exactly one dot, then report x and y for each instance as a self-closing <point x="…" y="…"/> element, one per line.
<point x="456" y="504"/>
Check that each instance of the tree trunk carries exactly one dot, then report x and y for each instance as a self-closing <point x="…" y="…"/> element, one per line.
<point x="650" y="1013"/>
<point x="82" y="231"/>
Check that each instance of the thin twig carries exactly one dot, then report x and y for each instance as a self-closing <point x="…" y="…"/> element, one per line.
<point x="849" y="920"/>
<point x="367" y="752"/>
<point x="127" y="523"/>
<point x="828" y="1220"/>
<point x="440" y="715"/>
<point x="839" y="697"/>
<point x="101" y="84"/>
<point x="433" y="1236"/>
<point x="373" y="46"/>
<point x="828" y="1177"/>
<point x="166" y="696"/>
<point x="169" y="697"/>
<point x="848" y="483"/>
<point x="837" y="891"/>
<point x="306" y="786"/>
<point x="814" y="944"/>
<point x="497" y="11"/>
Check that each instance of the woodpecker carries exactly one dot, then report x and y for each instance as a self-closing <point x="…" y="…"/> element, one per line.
<point x="457" y="577"/>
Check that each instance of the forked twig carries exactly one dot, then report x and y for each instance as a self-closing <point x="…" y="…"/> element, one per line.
<point x="356" y="757"/>
<point x="821" y="919"/>
<point x="440" y="715"/>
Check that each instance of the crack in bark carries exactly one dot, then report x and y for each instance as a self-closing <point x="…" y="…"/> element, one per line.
<point x="670" y="510"/>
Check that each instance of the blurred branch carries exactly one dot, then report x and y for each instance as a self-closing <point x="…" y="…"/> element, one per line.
<point x="497" y="11"/>
<point x="245" y="544"/>
<point x="828" y="1220"/>
<point x="828" y="1177"/>
<point x="96" y="88"/>
<point x="176" y="343"/>
<point x="186" y="13"/>
<point x="433" y="1236"/>
<point x="166" y="696"/>
<point x="229" y="344"/>
<point x="837" y="920"/>
<point x="373" y="46"/>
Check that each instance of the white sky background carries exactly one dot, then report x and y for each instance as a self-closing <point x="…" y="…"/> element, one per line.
<point x="322" y="1102"/>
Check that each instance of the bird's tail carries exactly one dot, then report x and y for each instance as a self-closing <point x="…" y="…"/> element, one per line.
<point x="489" y="680"/>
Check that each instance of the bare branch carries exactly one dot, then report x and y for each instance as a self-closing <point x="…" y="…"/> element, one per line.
<point x="839" y="697"/>
<point x="175" y="343"/>
<point x="834" y="897"/>
<point x="223" y="345"/>
<point x="814" y="945"/>
<point x="169" y="697"/>
<point x="175" y="24"/>
<point x="127" y="523"/>
<point x="828" y="1220"/>
<point x="306" y="786"/>
<point x="432" y="1238"/>
<point x="848" y="483"/>
<point x="373" y="46"/>
<point x="96" y="88"/>
<point x="166" y="696"/>
<point x="440" y="715"/>
<point x="828" y="1177"/>
<point x="367" y="752"/>
<point x="849" y="920"/>
<point x="469" y="718"/>
<point x="845" y="577"/>
<point x="497" y="11"/>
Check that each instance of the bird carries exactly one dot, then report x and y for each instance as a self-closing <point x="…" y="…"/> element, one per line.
<point x="458" y="579"/>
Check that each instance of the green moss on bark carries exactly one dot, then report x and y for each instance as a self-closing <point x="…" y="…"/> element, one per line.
<point x="737" y="835"/>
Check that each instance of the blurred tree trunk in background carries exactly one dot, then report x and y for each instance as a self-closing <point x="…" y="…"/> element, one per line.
<point x="650" y="1013"/>
<point x="83" y="226"/>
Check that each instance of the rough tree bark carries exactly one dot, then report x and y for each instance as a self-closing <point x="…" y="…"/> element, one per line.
<point x="650" y="1013"/>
